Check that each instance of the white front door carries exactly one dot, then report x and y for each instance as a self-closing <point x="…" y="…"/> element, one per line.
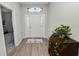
<point x="35" y="25"/>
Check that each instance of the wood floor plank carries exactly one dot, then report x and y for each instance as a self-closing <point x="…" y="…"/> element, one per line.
<point x="40" y="50"/>
<point x="28" y="49"/>
<point x="32" y="49"/>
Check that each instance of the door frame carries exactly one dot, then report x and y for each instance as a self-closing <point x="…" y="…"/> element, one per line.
<point x="12" y="14"/>
<point x="27" y="15"/>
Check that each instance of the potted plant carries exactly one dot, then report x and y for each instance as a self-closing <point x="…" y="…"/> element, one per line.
<point x="63" y="32"/>
<point x="62" y="36"/>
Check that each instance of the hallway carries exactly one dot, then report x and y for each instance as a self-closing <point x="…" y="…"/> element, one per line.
<point x="32" y="49"/>
<point x="36" y="19"/>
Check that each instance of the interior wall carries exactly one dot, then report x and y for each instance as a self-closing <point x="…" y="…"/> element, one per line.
<point x="16" y="18"/>
<point x="66" y="13"/>
<point x="2" y="41"/>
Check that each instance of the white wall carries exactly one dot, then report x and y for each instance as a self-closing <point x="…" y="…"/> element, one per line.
<point x="64" y="13"/>
<point x="16" y="10"/>
<point x="2" y="42"/>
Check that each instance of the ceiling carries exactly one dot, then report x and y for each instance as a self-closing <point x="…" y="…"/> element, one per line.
<point x="34" y="3"/>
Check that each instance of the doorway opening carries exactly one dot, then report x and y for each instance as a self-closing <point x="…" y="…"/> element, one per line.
<point x="35" y="27"/>
<point x="7" y="29"/>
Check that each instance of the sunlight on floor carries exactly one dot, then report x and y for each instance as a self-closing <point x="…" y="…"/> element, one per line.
<point x="34" y="41"/>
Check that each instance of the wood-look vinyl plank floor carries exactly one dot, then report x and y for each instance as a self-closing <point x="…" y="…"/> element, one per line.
<point x="32" y="49"/>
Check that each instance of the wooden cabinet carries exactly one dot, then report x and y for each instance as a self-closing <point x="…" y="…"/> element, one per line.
<point x="67" y="49"/>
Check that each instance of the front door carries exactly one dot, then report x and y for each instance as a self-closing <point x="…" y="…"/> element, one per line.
<point x="36" y="25"/>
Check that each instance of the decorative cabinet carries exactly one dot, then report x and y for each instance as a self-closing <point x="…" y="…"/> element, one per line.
<point x="66" y="49"/>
